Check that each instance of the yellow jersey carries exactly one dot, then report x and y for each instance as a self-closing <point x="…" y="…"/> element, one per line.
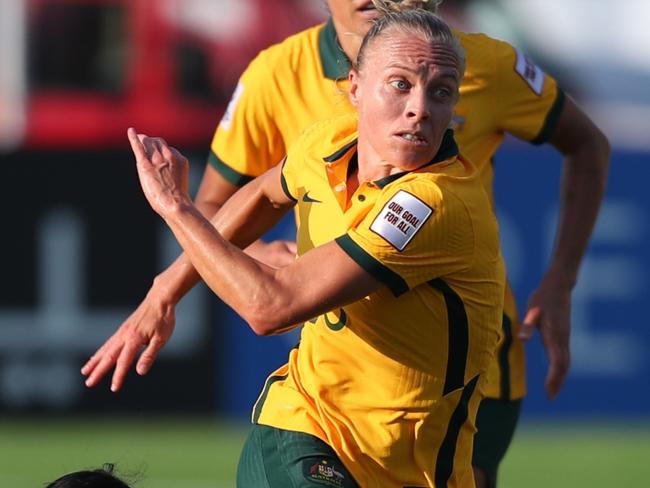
<point x="391" y="382"/>
<point x="303" y="79"/>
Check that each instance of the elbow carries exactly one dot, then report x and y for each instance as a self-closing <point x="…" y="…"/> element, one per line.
<point x="603" y="151"/>
<point x="267" y="320"/>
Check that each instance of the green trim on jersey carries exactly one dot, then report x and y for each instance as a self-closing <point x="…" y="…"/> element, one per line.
<point x="257" y="408"/>
<point x="447" y="452"/>
<point x="227" y="172"/>
<point x="380" y="272"/>
<point x="503" y="353"/>
<point x="285" y="187"/>
<point x="336" y="64"/>
<point x="339" y="153"/>
<point x="551" y="119"/>
<point x="458" y="336"/>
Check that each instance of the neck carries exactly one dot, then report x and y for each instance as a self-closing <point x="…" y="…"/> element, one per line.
<point x="371" y="166"/>
<point x="349" y="41"/>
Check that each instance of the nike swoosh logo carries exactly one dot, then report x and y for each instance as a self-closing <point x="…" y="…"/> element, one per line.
<point x="307" y="198"/>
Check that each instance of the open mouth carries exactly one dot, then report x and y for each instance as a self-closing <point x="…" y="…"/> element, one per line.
<point x="368" y="8"/>
<point x="413" y="138"/>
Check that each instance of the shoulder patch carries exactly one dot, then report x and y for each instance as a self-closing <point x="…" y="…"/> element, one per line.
<point x="530" y="72"/>
<point x="400" y="219"/>
<point x="232" y="106"/>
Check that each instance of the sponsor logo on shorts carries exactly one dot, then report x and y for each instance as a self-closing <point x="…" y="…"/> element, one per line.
<point x="323" y="472"/>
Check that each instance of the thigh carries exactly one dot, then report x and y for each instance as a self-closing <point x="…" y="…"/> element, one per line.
<point x="496" y="421"/>
<point x="276" y="458"/>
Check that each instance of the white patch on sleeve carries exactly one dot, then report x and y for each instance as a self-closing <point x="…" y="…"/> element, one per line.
<point x="530" y="72"/>
<point x="226" y="120"/>
<point x="401" y="218"/>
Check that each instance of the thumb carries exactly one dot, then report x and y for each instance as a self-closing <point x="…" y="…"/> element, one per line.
<point x="531" y="321"/>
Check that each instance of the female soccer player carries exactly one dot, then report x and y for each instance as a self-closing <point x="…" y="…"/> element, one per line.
<point x="399" y="278"/>
<point x="302" y="80"/>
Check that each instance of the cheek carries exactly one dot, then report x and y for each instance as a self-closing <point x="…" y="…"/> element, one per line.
<point x="386" y="104"/>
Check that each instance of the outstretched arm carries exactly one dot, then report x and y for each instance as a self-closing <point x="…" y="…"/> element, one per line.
<point x="586" y="161"/>
<point x="270" y="300"/>
<point x="151" y="325"/>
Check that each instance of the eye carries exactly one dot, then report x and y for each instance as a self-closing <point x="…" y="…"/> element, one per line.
<point x="442" y="92"/>
<point x="401" y="85"/>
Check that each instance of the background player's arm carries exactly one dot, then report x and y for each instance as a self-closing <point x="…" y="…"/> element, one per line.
<point x="585" y="167"/>
<point x="213" y="192"/>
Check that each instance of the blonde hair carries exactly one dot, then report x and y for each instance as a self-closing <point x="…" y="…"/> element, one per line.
<point x="386" y="6"/>
<point x="411" y="16"/>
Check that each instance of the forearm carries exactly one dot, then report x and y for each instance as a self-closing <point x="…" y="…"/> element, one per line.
<point x="248" y="203"/>
<point x="583" y="187"/>
<point x="243" y="283"/>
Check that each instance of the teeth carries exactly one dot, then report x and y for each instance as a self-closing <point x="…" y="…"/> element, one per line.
<point x="409" y="137"/>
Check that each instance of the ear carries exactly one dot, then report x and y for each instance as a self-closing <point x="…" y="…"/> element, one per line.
<point x="353" y="91"/>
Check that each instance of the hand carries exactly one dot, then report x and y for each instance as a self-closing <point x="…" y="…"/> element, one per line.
<point x="549" y="310"/>
<point x="163" y="172"/>
<point x="276" y="254"/>
<point x="149" y="326"/>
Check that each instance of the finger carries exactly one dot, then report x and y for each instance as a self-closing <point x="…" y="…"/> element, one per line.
<point x="531" y="321"/>
<point x="137" y="145"/>
<point x="292" y="247"/>
<point x="107" y="361"/>
<point x="124" y="362"/>
<point x="176" y="153"/>
<point x="151" y="149"/>
<point x="95" y="358"/>
<point x="90" y="364"/>
<point x="148" y="356"/>
<point x="556" y="375"/>
<point x="558" y="353"/>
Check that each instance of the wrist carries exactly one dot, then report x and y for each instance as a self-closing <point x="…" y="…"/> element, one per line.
<point x="561" y="276"/>
<point x="163" y="290"/>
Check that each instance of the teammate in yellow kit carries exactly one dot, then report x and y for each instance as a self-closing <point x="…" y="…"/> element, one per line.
<point x="303" y="79"/>
<point x="400" y="279"/>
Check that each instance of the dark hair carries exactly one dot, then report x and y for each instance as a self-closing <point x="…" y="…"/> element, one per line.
<point x="411" y="19"/>
<point x="97" y="478"/>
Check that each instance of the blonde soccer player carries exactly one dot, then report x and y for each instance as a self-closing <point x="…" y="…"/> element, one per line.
<point x="399" y="279"/>
<point x="304" y="79"/>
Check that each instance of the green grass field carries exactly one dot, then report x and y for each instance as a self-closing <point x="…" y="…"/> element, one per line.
<point x="202" y="453"/>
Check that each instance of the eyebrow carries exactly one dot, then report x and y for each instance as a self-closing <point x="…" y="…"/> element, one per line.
<point x="454" y="76"/>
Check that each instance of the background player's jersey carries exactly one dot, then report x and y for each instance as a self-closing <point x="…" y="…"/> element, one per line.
<point x="293" y="84"/>
<point x="391" y="381"/>
<point x="502" y="91"/>
<point x="284" y="90"/>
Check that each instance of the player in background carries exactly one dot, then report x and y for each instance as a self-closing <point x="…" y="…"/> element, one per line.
<point x="302" y="80"/>
<point x="399" y="279"/>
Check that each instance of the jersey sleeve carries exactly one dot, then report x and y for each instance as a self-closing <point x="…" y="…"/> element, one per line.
<point x="528" y="99"/>
<point x="415" y="233"/>
<point x="291" y="168"/>
<point x="247" y="141"/>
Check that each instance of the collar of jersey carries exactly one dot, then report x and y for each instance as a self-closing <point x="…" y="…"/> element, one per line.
<point x="448" y="149"/>
<point x="336" y="64"/>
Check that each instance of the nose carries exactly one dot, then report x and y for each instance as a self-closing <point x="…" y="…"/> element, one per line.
<point x="417" y="107"/>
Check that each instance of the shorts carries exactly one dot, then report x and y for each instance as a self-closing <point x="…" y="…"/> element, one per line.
<point x="496" y="421"/>
<point x="276" y="458"/>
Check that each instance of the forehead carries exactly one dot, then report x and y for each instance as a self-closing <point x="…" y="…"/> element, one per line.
<point x="411" y="50"/>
